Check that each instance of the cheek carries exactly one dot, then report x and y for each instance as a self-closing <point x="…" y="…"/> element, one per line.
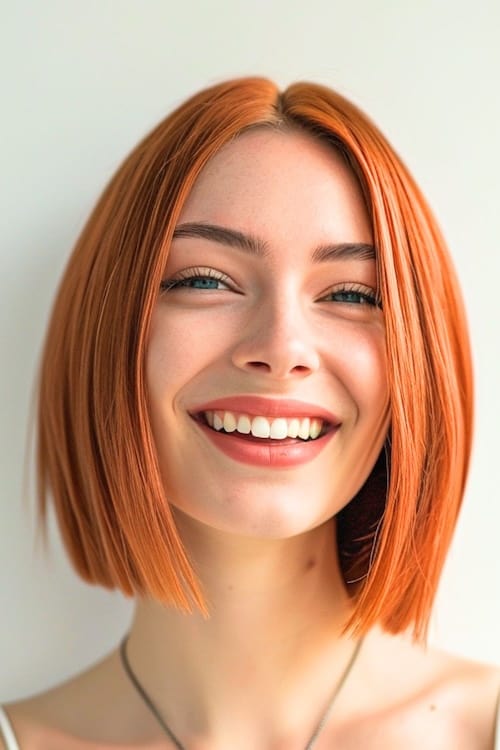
<point x="360" y="364"/>
<point x="178" y="347"/>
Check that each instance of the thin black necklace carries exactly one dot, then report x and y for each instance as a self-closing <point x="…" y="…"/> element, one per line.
<point x="149" y="703"/>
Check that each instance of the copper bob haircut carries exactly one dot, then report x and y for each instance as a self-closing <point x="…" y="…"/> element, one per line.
<point x="96" y="457"/>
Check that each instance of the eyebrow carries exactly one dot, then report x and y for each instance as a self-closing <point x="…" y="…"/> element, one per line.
<point x="249" y="243"/>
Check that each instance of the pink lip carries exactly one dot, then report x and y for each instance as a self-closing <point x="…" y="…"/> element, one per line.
<point x="267" y="407"/>
<point x="268" y="453"/>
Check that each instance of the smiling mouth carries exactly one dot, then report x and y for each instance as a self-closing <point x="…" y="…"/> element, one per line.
<point x="261" y="429"/>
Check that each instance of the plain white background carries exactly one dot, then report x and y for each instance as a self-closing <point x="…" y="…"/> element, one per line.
<point x="82" y="81"/>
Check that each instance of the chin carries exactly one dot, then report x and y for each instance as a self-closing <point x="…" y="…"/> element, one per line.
<point x="264" y="518"/>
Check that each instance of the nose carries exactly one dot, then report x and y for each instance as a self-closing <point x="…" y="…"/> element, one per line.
<point x="278" y="340"/>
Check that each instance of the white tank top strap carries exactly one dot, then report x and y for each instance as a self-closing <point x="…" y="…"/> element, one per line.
<point x="7" y="732"/>
<point x="497" y="732"/>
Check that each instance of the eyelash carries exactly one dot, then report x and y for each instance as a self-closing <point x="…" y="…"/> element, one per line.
<point x="364" y="294"/>
<point x="178" y="282"/>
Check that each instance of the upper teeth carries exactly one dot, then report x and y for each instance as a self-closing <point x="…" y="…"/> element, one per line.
<point x="277" y="428"/>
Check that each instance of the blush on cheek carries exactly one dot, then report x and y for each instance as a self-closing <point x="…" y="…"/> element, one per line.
<point x="359" y="362"/>
<point x="181" y="344"/>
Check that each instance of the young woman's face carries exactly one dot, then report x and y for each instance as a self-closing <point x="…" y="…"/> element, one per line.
<point x="261" y="325"/>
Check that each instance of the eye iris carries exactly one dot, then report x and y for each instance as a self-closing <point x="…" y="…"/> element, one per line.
<point x="350" y="297"/>
<point x="202" y="282"/>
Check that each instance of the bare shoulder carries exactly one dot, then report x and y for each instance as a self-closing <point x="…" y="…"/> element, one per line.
<point x="440" y="699"/>
<point x="467" y="693"/>
<point x="41" y="719"/>
<point x="96" y="708"/>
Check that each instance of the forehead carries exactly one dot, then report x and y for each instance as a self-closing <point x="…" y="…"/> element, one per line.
<point x="270" y="180"/>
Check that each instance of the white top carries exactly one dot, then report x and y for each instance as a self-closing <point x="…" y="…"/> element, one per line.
<point x="7" y="733"/>
<point x="497" y="732"/>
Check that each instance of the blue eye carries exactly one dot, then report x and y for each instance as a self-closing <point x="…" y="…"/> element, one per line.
<point x="353" y="295"/>
<point x="353" y="298"/>
<point x="196" y="279"/>
<point x="201" y="282"/>
<point x="194" y="282"/>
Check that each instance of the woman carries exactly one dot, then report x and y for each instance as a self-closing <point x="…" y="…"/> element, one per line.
<point x="255" y="418"/>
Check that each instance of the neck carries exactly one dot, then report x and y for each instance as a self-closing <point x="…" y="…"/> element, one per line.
<point x="273" y="637"/>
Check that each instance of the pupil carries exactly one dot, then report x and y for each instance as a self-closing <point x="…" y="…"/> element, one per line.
<point x="205" y="283"/>
<point x="351" y="297"/>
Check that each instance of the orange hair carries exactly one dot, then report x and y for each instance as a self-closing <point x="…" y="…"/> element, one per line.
<point x="95" y="451"/>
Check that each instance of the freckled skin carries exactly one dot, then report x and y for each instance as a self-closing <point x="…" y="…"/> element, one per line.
<point x="275" y="337"/>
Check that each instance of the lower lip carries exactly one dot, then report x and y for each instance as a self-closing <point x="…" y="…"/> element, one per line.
<point x="279" y="454"/>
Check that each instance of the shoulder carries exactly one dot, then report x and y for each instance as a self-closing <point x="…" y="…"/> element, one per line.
<point x="466" y="695"/>
<point x="443" y="699"/>
<point x="93" y="709"/>
<point x="46" y="719"/>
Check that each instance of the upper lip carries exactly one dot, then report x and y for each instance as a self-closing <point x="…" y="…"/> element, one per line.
<point x="267" y="407"/>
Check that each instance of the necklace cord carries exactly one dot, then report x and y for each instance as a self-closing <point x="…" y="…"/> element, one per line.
<point x="147" y="700"/>
<point x="149" y="703"/>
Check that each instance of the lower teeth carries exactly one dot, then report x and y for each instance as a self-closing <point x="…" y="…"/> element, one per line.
<point x="249" y="435"/>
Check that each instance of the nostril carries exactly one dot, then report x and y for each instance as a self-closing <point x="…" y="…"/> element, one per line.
<point x="260" y="365"/>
